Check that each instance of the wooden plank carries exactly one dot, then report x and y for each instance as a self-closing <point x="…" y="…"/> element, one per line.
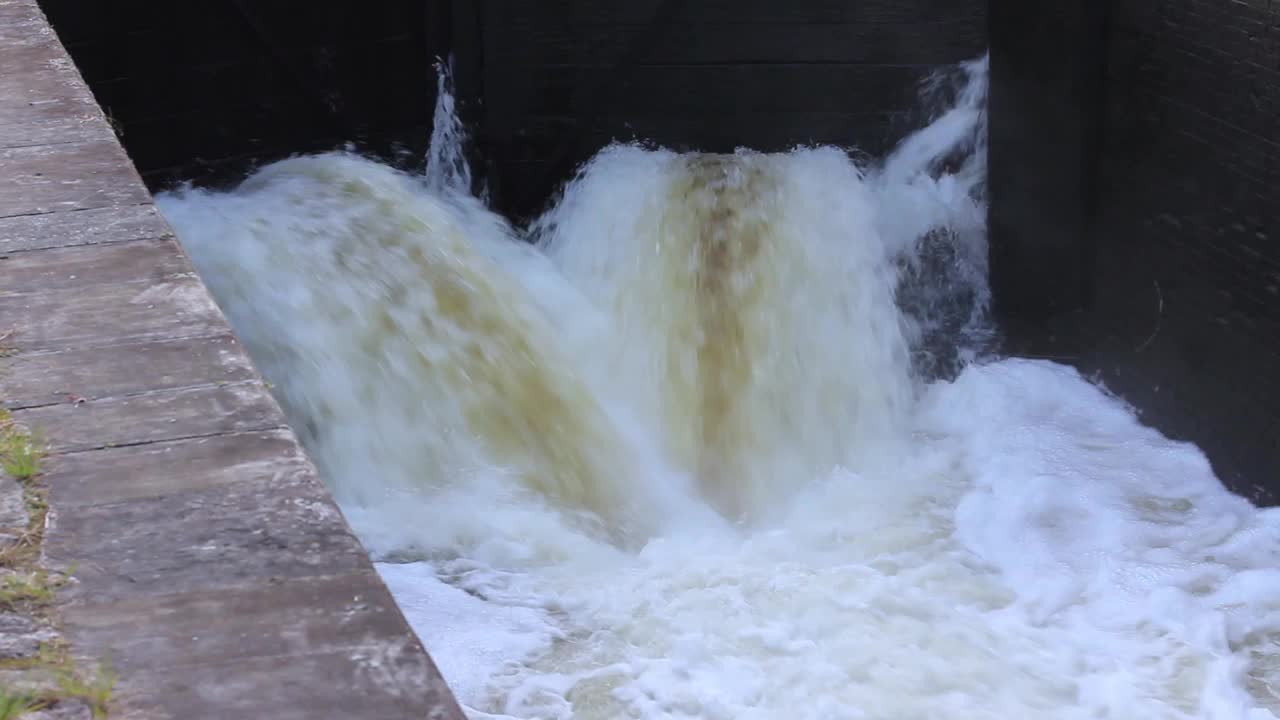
<point x="156" y="260"/>
<point x="770" y="12"/>
<point x="311" y="615"/>
<point x="153" y="417"/>
<point x="36" y="65"/>
<point x="82" y="227"/>
<point x="174" y="467"/>
<point x="21" y="22"/>
<point x="555" y="90"/>
<point x="767" y="131"/>
<point x="263" y="79"/>
<point x="153" y="31"/>
<point x="1043" y="155"/>
<point x="934" y="42"/>
<point x="45" y="122"/>
<point x="270" y="527"/>
<point x="42" y="98"/>
<point x="109" y="314"/>
<point x="528" y="181"/>
<point x="50" y="378"/>
<point x="198" y="87"/>
<point x="870" y="132"/>
<point x="247" y="127"/>
<point x="380" y="680"/>
<point x="76" y="21"/>
<point x="48" y="178"/>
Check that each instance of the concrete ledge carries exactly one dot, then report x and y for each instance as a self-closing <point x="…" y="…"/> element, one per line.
<point x="212" y="569"/>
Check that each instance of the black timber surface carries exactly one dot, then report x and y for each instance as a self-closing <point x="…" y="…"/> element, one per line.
<point x="1140" y="218"/>
<point x="204" y="90"/>
<point x="562" y="78"/>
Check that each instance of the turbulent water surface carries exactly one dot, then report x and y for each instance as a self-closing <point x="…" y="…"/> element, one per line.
<point x="715" y="438"/>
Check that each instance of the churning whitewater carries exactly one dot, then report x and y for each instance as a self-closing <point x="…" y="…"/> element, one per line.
<point x="716" y="437"/>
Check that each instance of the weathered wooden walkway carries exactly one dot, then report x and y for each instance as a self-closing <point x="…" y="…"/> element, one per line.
<point x="212" y="569"/>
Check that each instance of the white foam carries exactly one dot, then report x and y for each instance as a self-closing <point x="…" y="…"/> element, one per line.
<point x="471" y="640"/>
<point x="1041" y="554"/>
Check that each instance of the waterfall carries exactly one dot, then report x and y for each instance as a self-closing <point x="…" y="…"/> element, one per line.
<point x="721" y="436"/>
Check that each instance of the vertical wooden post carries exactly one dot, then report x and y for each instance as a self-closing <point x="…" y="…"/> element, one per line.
<point x="1047" y="67"/>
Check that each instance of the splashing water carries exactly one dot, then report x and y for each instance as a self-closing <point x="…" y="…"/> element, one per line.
<point x="447" y="168"/>
<point x="714" y="446"/>
<point x="719" y="272"/>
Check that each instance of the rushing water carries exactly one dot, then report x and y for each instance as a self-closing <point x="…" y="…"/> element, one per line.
<point x="716" y="438"/>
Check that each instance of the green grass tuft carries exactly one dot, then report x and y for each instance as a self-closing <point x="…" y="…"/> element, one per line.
<point x="14" y="705"/>
<point x="27" y="590"/>
<point x="94" y="691"/>
<point x="21" y="453"/>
